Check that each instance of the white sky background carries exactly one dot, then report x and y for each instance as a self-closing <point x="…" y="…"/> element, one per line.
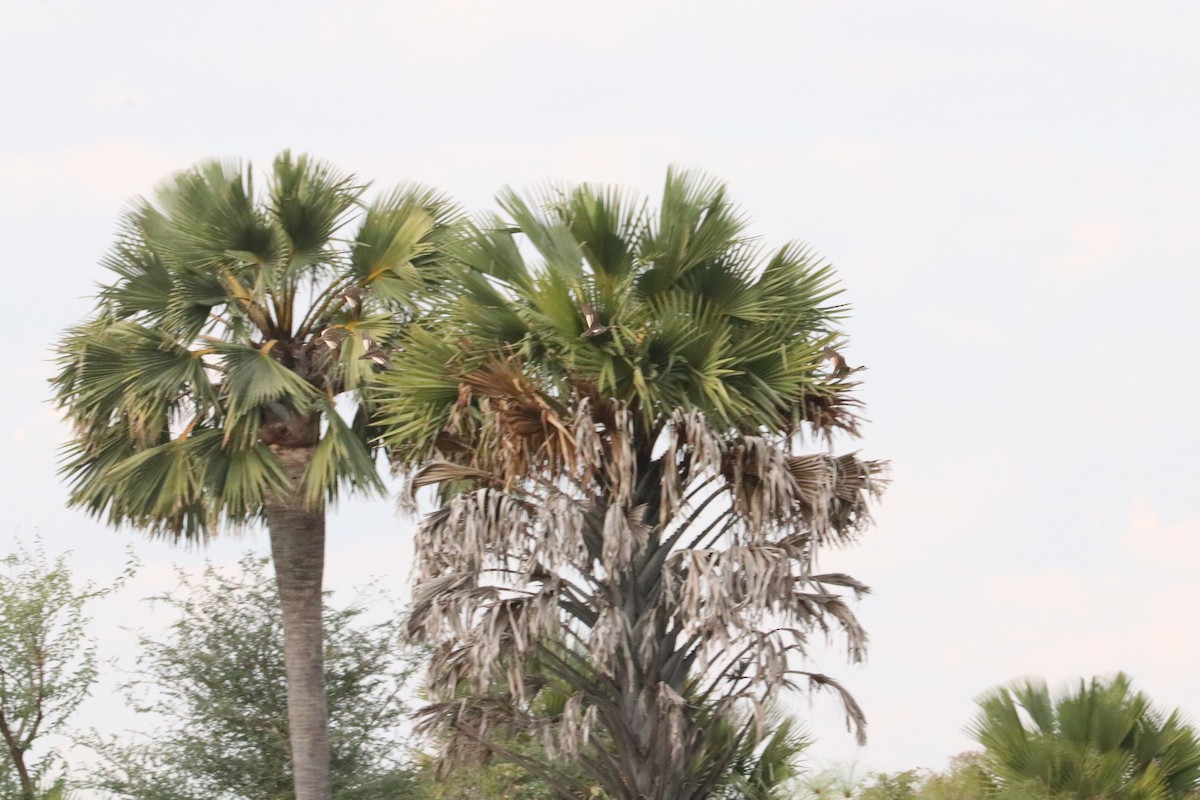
<point x="1008" y="189"/>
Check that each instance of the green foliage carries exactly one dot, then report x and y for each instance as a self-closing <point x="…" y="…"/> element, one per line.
<point x="766" y="760"/>
<point x="47" y="664"/>
<point x="493" y="779"/>
<point x="765" y="764"/>
<point x="689" y="313"/>
<point x="967" y="779"/>
<point x="831" y="782"/>
<point x="964" y="779"/>
<point x="235" y="316"/>
<point x="894" y="786"/>
<point x="207" y="388"/>
<point x="1096" y="739"/>
<point x="215" y="685"/>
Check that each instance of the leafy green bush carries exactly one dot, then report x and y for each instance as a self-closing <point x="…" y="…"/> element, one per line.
<point x="47" y="665"/>
<point x="215" y="684"/>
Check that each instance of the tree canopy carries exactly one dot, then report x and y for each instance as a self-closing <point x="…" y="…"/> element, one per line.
<point x="1093" y="739"/>
<point x="236" y="315"/>
<point x="216" y="675"/>
<point x="208" y="388"/>
<point x="609" y="405"/>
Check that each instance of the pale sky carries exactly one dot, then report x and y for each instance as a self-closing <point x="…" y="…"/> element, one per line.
<point x="1008" y="190"/>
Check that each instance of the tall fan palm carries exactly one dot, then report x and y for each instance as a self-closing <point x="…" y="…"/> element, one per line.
<point x="609" y="411"/>
<point x="204" y="390"/>
<point x="1095" y="740"/>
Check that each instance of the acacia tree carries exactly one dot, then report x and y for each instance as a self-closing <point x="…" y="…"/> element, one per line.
<point x="611" y="425"/>
<point x="47" y="662"/>
<point x="204" y="391"/>
<point x="217" y="675"/>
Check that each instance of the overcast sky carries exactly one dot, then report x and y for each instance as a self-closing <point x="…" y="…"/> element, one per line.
<point x="1009" y="191"/>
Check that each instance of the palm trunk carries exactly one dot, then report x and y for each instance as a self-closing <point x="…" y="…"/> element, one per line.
<point x="658" y="769"/>
<point x="298" y="552"/>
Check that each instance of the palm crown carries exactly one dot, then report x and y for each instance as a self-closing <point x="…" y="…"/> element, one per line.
<point x="235" y="320"/>
<point x="666" y="311"/>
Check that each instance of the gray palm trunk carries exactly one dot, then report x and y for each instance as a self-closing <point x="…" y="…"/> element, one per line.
<point x="298" y="553"/>
<point x="655" y="773"/>
<point x="658" y="766"/>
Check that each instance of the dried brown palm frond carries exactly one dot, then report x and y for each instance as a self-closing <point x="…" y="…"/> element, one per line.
<point x="827" y="411"/>
<point x="856" y="720"/>
<point x="832" y="492"/>
<point x="437" y="472"/>
<point x="508" y="425"/>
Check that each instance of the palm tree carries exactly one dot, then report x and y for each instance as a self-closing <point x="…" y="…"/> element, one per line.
<point x="207" y="389"/>
<point x="608" y="410"/>
<point x="766" y="763"/>
<point x="1098" y="739"/>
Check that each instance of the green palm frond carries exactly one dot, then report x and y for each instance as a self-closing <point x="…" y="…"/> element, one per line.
<point x="607" y="222"/>
<point x="252" y="379"/>
<point x="145" y="283"/>
<point x="416" y="402"/>
<point x="399" y="241"/>
<point x="490" y="248"/>
<point x="205" y="347"/>
<point x="761" y="755"/>
<point x="342" y="459"/>
<point x="212" y="221"/>
<point x="242" y="476"/>
<point x="1095" y="738"/>
<point x="688" y="313"/>
<point x="121" y="372"/>
<point x="697" y="224"/>
<point x="552" y="237"/>
<point x="85" y="466"/>
<point x="310" y="202"/>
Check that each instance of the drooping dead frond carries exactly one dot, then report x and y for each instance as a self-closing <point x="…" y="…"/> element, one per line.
<point x="650" y="590"/>
<point x="514" y="429"/>
<point x="856" y="720"/>
<point x="833" y="493"/>
<point x="829" y="411"/>
<point x="438" y="472"/>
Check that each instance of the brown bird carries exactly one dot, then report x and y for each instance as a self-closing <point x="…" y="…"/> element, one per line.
<point x="333" y="336"/>
<point x="838" y="367"/>
<point x="353" y="297"/>
<point x="594" y="328"/>
<point x="378" y="355"/>
<point x="374" y="352"/>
